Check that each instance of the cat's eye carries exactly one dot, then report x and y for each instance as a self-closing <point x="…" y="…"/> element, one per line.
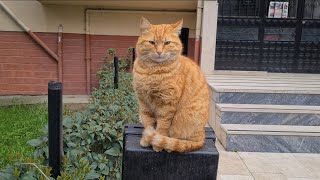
<point x="167" y="42"/>
<point x="152" y="42"/>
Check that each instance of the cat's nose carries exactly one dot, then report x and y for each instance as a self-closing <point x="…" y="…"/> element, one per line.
<point x="159" y="52"/>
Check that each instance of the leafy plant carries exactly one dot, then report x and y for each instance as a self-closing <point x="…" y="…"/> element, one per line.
<point x="31" y="169"/>
<point x="93" y="138"/>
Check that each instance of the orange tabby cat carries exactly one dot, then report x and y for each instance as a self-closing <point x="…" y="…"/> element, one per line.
<point x="172" y="91"/>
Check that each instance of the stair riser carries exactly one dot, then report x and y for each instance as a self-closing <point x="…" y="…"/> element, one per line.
<point x="266" y="98"/>
<point x="269" y="118"/>
<point x="269" y="143"/>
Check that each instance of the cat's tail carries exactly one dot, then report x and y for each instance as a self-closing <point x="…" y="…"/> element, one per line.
<point x="172" y="144"/>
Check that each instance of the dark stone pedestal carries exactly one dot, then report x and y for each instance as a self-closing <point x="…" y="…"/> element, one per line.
<point x="144" y="164"/>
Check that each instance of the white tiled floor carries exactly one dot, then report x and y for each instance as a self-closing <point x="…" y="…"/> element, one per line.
<point x="267" y="166"/>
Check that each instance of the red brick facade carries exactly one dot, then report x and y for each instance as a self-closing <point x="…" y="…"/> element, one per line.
<point x="25" y="68"/>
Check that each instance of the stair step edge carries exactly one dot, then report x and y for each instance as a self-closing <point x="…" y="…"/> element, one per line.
<point x="243" y="129"/>
<point x="268" y="108"/>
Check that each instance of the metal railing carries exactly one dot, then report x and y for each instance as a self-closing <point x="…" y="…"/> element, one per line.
<point x="249" y="39"/>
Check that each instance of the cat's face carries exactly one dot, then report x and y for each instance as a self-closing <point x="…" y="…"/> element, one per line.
<point x="159" y="43"/>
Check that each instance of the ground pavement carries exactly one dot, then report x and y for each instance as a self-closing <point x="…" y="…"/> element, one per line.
<point x="267" y="166"/>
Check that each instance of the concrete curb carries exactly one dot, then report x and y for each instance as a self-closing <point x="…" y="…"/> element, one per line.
<point x="26" y="99"/>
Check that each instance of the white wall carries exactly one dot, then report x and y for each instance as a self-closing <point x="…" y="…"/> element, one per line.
<point x="30" y="12"/>
<point x="209" y="30"/>
<point x="47" y="17"/>
<point x="127" y="22"/>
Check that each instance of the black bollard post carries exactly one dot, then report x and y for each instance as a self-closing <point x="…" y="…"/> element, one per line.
<point x="133" y="54"/>
<point x="184" y="37"/>
<point x="116" y="72"/>
<point x="55" y="127"/>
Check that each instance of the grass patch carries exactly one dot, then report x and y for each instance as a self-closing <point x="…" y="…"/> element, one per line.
<point x="19" y="124"/>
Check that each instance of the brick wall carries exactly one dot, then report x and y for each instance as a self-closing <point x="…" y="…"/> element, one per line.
<point x="74" y="65"/>
<point x="25" y="68"/>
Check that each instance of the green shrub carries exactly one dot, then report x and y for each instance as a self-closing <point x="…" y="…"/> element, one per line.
<point x="30" y="169"/>
<point x="93" y="138"/>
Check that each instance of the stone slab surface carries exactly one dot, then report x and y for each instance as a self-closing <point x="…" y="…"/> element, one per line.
<point x="269" y="143"/>
<point x="270" y="118"/>
<point x="267" y="166"/>
<point x="267" y="98"/>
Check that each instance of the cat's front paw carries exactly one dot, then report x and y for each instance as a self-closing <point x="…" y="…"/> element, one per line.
<point x="168" y="150"/>
<point x="157" y="149"/>
<point x="144" y="143"/>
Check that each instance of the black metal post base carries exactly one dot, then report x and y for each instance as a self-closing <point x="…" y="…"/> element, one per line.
<point x="143" y="163"/>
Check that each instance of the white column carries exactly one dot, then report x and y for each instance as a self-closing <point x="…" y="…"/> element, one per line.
<point x="208" y="40"/>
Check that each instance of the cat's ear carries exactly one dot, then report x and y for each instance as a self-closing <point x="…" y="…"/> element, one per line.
<point x="144" y="25"/>
<point x="178" y="26"/>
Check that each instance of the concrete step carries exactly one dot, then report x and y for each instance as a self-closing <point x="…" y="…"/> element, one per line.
<point x="270" y="138"/>
<point x="266" y="89"/>
<point x="268" y="114"/>
<point x="266" y="98"/>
